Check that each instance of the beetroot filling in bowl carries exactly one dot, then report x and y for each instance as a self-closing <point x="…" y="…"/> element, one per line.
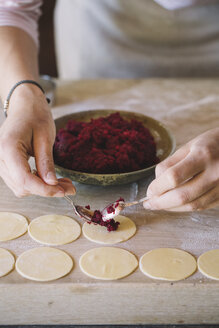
<point x="105" y="145"/>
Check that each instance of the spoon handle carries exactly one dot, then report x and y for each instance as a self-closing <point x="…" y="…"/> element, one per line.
<point x="72" y="204"/>
<point x="135" y="202"/>
<point x="79" y="210"/>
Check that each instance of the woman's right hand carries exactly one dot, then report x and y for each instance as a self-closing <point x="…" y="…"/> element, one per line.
<point x="29" y="130"/>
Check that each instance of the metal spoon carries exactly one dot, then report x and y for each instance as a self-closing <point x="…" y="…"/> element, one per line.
<point x="118" y="207"/>
<point x="86" y="214"/>
<point x="80" y="211"/>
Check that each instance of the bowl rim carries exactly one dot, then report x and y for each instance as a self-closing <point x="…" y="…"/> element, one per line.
<point x="93" y="175"/>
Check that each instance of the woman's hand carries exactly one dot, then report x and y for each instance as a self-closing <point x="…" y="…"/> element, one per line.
<point x="29" y="130"/>
<point x="189" y="179"/>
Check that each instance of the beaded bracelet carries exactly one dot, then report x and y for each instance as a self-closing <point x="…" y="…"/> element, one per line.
<point x="6" y="103"/>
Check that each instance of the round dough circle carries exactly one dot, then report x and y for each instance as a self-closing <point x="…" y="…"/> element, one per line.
<point x="168" y="264"/>
<point x="208" y="264"/>
<point x="44" y="264"/>
<point x="12" y="225"/>
<point x="99" y="234"/>
<point x="108" y="263"/>
<point x="6" y="262"/>
<point x="54" y="229"/>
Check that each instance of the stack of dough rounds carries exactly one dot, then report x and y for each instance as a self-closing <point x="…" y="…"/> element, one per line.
<point x="12" y="225"/>
<point x="208" y="264"/>
<point x="54" y="229"/>
<point x="168" y="264"/>
<point x="99" y="234"/>
<point x="44" y="264"/>
<point x="108" y="263"/>
<point x="6" y="262"/>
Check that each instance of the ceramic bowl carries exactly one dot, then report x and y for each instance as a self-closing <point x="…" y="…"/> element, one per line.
<point x="164" y="141"/>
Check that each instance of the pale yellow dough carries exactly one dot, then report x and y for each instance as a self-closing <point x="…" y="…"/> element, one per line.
<point x="6" y="262"/>
<point x="108" y="263"/>
<point x="98" y="234"/>
<point x="54" y="229"/>
<point x="44" y="264"/>
<point x="208" y="264"/>
<point x="168" y="264"/>
<point x="12" y="225"/>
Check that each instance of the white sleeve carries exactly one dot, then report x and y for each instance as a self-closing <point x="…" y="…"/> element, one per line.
<point x="23" y="14"/>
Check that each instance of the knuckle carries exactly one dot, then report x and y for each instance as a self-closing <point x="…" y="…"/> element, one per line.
<point x="159" y="169"/>
<point x="173" y="177"/>
<point x="207" y="154"/>
<point x="42" y="120"/>
<point x="46" y="161"/>
<point x="183" y="197"/>
<point x="194" y="206"/>
<point x="203" y="152"/>
<point x="50" y="193"/>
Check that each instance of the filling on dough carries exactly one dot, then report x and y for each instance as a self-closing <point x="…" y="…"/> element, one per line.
<point x="111" y="224"/>
<point x="97" y="217"/>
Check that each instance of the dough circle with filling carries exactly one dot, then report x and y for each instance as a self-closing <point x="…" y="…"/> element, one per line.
<point x="6" y="262"/>
<point x="168" y="264"/>
<point x="208" y="264"/>
<point x="108" y="263"/>
<point x="12" y="225"/>
<point x="54" y="229"/>
<point x="99" y="234"/>
<point x="44" y="264"/>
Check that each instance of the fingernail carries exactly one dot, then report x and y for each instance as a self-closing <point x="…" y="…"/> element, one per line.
<point x="147" y="205"/>
<point x="51" y="178"/>
<point x="71" y="192"/>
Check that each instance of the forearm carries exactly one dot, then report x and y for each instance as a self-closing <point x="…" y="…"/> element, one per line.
<point x="18" y="59"/>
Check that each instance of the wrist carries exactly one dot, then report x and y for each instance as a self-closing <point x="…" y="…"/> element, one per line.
<point x="27" y="96"/>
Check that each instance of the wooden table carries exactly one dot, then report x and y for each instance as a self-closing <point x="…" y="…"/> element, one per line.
<point x="187" y="107"/>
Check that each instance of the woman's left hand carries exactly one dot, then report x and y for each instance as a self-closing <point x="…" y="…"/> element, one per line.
<point x="189" y="179"/>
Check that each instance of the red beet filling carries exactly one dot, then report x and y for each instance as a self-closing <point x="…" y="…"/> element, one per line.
<point x="111" y="224"/>
<point x="105" y="145"/>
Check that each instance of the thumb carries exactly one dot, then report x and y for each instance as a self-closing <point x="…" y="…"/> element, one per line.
<point x="44" y="158"/>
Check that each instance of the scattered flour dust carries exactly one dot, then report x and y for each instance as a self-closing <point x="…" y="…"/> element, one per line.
<point x="202" y="234"/>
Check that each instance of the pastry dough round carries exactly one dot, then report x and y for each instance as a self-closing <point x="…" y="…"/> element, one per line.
<point x="54" y="229"/>
<point x="98" y="234"/>
<point x="208" y="264"/>
<point x="6" y="262"/>
<point x="168" y="264"/>
<point x="12" y="225"/>
<point x="44" y="264"/>
<point x="108" y="263"/>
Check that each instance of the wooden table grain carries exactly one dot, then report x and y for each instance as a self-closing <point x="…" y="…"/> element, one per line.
<point x="187" y="107"/>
